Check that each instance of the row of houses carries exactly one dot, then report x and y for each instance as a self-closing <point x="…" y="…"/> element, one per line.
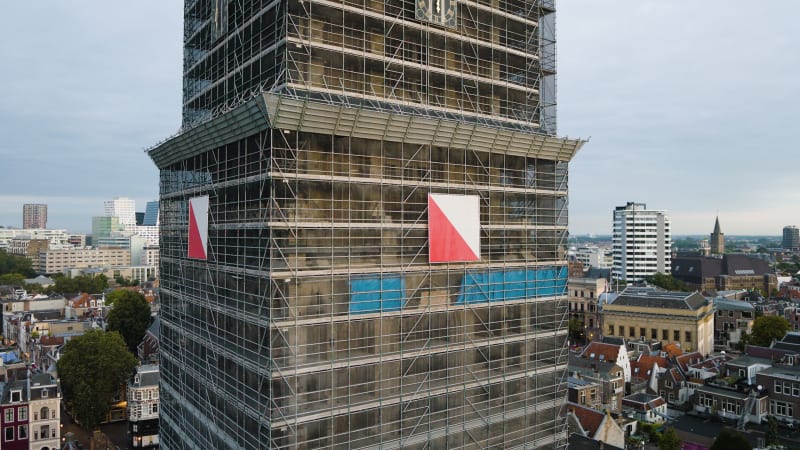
<point x="35" y="330"/>
<point x="737" y="389"/>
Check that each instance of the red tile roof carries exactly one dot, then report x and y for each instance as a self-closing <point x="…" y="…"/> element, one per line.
<point x="609" y="352"/>
<point x="685" y="360"/>
<point x="52" y="340"/>
<point x="590" y="419"/>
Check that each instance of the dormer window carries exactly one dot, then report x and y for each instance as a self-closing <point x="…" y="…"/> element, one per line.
<point x="16" y="396"/>
<point x="44" y="393"/>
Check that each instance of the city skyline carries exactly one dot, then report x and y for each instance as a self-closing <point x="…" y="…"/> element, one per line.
<point x="629" y="75"/>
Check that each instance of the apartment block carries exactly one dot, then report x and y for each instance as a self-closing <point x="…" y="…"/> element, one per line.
<point x="642" y="242"/>
<point x="56" y="261"/>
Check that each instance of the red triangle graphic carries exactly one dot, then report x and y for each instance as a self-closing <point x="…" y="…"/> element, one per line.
<point x="445" y="243"/>
<point x="196" y="249"/>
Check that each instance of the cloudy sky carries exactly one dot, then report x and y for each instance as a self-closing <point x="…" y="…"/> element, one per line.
<point x="689" y="106"/>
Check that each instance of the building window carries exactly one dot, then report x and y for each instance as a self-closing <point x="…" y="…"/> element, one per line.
<point x="664" y="335"/>
<point x="795" y="390"/>
<point x="44" y="413"/>
<point x="611" y="330"/>
<point x="631" y="332"/>
<point x="44" y="393"/>
<point x="653" y="333"/>
<point x="642" y="333"/>
<point x="779" y="408"/>
<point x="22" y="413"/>
<point x="154" y="409"/>
<point x="688" y="336"/>
<point x="621" y="330"/>
<point x="22" y="432"/>
<point x="778" y="387"/>
<point x="676" y="335"/>
<point x="8" y="434"/>
<point x="9" y="415"/>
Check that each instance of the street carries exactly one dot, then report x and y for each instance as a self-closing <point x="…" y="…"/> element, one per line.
<point x="116" y="432"/>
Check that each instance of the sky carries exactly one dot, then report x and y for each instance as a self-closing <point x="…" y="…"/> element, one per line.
<point x="687" y="106"/>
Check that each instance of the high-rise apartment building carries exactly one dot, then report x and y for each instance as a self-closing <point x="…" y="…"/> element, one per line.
<point x="34" y="216"/>
<point x="122" y="207"/>
<point x="364" y="228"/>
<point x="791" y="238"/>
<point x="642" y="242"/>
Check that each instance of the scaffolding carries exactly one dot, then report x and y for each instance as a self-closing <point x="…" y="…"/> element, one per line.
<point x="498" y="63"/>
<point x="318" y="128"/>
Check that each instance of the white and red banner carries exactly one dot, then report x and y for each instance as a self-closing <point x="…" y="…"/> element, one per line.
<point x="454" y="228"/>
<point x="198" y="227"/>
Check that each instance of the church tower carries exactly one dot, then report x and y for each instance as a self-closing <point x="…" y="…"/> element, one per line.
<point x="717" y="240"/>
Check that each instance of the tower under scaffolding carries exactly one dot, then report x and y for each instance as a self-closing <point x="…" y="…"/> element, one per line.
<point x="317" y="318"/>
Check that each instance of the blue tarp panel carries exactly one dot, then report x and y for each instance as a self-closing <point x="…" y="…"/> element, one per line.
<point x="9" y="357"/>
<point x="481" y="287"/>
<point x="377" y="294"/>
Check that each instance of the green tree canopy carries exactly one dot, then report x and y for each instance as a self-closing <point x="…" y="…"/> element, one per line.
<point x="130" y="315"/>
<point x="669" y="440"/>
<point x="15" y="264"/>
<point x="767" y="328"/>
<point x="771" y="435"/>
<point x="12" y="279"/>
<point x="575" y="329"/>
<point x="82" y="283"/>
<point x="667" y="282"/>
<point x="730" y="440"/>
<point x="92" y="367"/>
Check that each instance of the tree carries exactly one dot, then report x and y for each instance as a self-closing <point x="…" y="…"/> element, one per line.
<point x="730" y="440"/>
<point x="92" y="368"/>
<point x="771" y="435"/>
<point x="15" y="264"/>
<point x="767" y="328"/>
<point x="82" y="283"/>
<point x="575" y="326"/>
<point x="126" y="282"/>
<point x="667" y="282"/>
<point x="130" y="315"/>
<point x="669" y="440"/>
<point x="14" y="279"/>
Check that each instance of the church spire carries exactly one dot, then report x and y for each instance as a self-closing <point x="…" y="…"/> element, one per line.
<point x="716" y="227"/>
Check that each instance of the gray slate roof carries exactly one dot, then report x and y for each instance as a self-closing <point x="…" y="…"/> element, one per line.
<point x="148" y="375"/>
<point x="657" y="298"/>
<point x="732" y="305"/>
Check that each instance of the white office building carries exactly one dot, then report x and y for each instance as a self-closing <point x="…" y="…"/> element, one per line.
<point x="122" y="207"/>
<point x="642" y="242"/>
<point x="593" y="256"/>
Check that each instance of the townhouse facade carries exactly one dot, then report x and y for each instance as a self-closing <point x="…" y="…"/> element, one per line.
<point x="45" y="412"/>
<point x="14" y="411"/>
<point x="143" y="406"/>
